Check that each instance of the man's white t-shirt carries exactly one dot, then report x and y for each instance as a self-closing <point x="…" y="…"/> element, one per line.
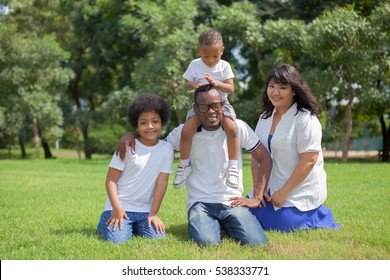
<point x="139" y="175"/>
<point x="209" y="161"/>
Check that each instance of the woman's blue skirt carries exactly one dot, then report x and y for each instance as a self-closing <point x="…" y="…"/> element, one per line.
<point x="288" y="219"/>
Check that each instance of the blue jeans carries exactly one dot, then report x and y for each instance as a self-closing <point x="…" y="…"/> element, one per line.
<point x="205" y="221"/>
<point x="137" y="224"/>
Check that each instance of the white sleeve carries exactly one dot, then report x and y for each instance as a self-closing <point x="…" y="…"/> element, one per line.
<point x="228" y="72"/>
<point x="309" y="134"/>
<point x="189" y="73"/>
<point x="249" y="140"/>
<point x="117" y="163"/>
<point x="174" y="137"/>
<point x="168" y="160"/>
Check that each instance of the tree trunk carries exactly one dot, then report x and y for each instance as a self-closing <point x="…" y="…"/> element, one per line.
<point x="36" y="136"/>
<point x="46" y="148"/>
<point x="348" y="130"/>
<point x="87" y="145"/>
<point x="9" y="146"/>
<point x="78" y="146"/>
<point x="22" y="147"/>
<point x="386" y="139"/>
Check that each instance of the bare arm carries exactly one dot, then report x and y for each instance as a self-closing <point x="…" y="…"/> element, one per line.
<point x="123" y="145"/>
<point x="118" y="214"/>
<point x="159" y="192"/>
<point x="261" y="169"/>
<point x="303" y="168"/>
<point x="192" y="85"/>
<point x="226" y="86"/>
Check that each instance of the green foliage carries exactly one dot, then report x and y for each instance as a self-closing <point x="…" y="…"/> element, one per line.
<point x="31" y="79"/>
<point x="168" y="31"/>
<point x="118" y="47"/>
<point x="105" y="137"/>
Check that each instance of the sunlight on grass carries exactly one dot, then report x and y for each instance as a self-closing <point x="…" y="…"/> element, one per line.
<point x="50" y="209"/>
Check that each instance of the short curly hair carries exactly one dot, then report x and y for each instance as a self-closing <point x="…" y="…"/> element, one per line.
<point x="147" y="102"/>
<point x="210" y="37"/>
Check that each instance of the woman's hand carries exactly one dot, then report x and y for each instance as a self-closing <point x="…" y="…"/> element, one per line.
<point x="116" y="218"/>
<point x="123" y="145"/>
<point x="278" y="198"/>
<point x="158" y="224"/>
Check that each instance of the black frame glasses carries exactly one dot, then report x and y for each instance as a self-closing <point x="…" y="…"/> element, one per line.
<point x="203" y="108"/>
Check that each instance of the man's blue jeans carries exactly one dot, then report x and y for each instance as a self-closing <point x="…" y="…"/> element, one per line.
<point x="206" y="220"/>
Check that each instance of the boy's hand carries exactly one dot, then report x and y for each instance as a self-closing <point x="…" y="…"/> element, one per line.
<point x="208" y="77"/>
<point x="197" y="84"/>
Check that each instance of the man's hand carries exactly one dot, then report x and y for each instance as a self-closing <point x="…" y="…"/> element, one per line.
<point x="123" y="145"/>
<point x="248" y="202"/>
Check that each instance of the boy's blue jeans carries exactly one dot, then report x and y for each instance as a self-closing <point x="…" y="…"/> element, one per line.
<point x="137" y="224"/>
<point x="205" y="221"/>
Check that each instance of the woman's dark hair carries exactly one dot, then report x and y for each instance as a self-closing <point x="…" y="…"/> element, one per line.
<point x="287" y="74"/>
<point x="147" y="102"/>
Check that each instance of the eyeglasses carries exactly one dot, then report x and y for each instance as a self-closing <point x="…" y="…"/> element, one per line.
<point x="203" y="108"/>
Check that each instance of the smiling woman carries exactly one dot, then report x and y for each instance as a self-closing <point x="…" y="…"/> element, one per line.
<point x="289" y="125"/>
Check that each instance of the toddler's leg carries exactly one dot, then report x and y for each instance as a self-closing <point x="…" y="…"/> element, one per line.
<point x="231" y="131"/>
<point x="184" y="169"/>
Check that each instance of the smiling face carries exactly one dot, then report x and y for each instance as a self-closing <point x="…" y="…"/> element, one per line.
<point x="280" y="95"/>
<point x="211" y="54"/>
<point x="210" y="120"/>
<point x="149" y="128"/>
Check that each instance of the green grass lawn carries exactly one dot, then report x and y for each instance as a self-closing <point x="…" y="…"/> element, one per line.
<point x="50" y="209"/>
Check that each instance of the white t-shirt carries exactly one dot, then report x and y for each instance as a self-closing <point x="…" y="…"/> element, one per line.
<point x="209" y="161"/>
<point x="139" y="175"/>
<point x="220" y="72"/>
<point x="295" y="134"/>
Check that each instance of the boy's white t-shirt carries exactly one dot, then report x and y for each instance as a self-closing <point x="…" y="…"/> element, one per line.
<point x="140" y="171"/>
<point x="197" y="69"/>
<point x="209" y="161"/>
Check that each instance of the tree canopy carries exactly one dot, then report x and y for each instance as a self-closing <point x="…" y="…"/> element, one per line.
<point x="68" y="69"/>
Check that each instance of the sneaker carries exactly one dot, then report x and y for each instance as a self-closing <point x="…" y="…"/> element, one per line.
<point x="232" y="178"/>
<point x="181" y="176"/>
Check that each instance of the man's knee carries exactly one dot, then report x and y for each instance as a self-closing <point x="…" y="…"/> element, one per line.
<point x="245" y="228"/>
<point x="203" y="237"/>
<point x="202" y="227"/>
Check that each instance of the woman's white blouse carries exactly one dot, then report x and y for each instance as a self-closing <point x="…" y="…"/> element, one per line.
<point x="296" y="133"/>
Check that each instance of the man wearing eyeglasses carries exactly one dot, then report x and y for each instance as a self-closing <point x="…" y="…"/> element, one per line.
<point x="212" y="205"/>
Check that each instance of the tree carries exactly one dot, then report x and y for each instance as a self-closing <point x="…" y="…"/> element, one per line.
<point x="377" y="99"/>
<point x="338" y="40"/>
<point x="167" y="31"/>
<point x="31" y="76"/>
<point x="102" y="56"/>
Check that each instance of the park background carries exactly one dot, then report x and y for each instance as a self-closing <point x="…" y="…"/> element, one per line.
<point x="69" y="69"/>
